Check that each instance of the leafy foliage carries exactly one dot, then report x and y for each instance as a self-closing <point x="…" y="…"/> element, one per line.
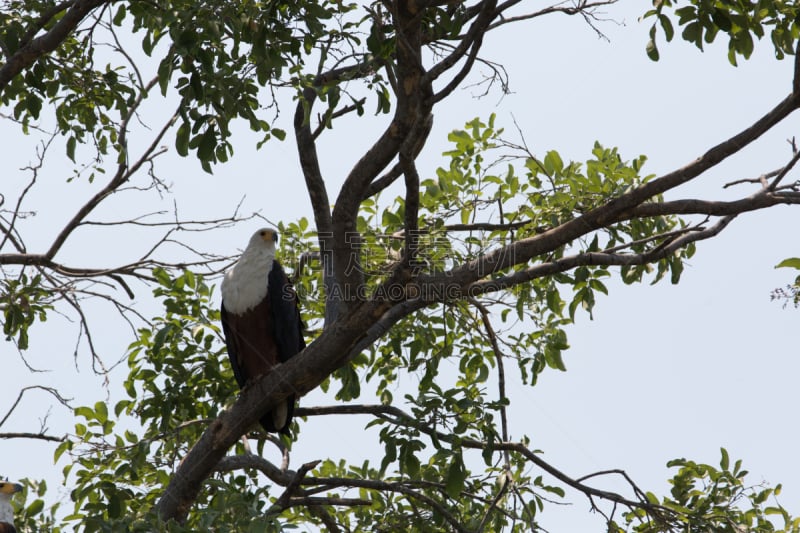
<point x="438" y="374"/>
<point x="742" y="21"/>
<point x="707" y="498"/>
<point x="216" y="56"/>
<point x="31" y="510"/>
<point x="179" y="378"/>
<point x="23" y="301"/>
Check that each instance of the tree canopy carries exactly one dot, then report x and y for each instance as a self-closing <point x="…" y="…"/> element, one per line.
<point x="423" y="289"/>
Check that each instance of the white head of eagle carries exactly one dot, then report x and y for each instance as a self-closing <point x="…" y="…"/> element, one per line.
<point x="6" y="511"/>
<point x="261" y="319"/>
<point x="245" y="285"/>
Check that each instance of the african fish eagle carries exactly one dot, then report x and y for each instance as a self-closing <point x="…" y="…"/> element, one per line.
<point x="6" y="511"/>
<point x="261" y="320"/>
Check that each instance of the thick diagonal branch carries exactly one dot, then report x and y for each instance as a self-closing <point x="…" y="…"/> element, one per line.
<point x="622" y="207"/>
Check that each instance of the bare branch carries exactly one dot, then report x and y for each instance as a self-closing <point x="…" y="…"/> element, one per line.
<point x="796" y="79"/>
<point x="392" y="487"/>
<point x="759" y="200"/>
<point x="785" y="170"/>
<point x="465" y="69"/>
<point x="34" y="436"/>
<point x="10" y="230"/>
<point x="330" y="115"/>
<point x="122" y="175"/>
<point x="498" y="354"/>
<point x="493" y="505"/>
<point x="585" y="8"/>
<point x="53" y="392"/>
<point x="316" y="501"/>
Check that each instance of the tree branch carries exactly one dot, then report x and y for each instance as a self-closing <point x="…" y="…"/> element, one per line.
<point x="315" y="183"/>
<point x="413" y="107"/>
<point x="53" y="392"/>
<point x="397" y="416"/>
<point x="292" y="487"/>
<point x="759" y="200"/>
<point x="392" y="487"/>
<point x="471" y="40"/>
<point x="581" y="7"/>
<point x="622" y="207"/>
<point x="498" y="355"/>
<point x="396" y="171"/>
<point x="35" y="436"/>
<point x="122" y="175"/>
<point x="597" y="258"/>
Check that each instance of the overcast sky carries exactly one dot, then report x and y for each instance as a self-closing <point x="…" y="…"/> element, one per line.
<point x="661" y="372"/>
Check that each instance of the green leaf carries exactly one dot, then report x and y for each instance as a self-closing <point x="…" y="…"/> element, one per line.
<point x="101" y="411"/>
<point x="652" y="50"/>
<point x="553" y="163"/>
<point x="554" y="360"/>
<point x="60" y="449"/>
<point x="35" y="507"/>
<point x="693" y="33"/>
<point x="71" y="144"/>
<point x="720" y="18"/>
<point x="792" y="262"/>
<point x="182" y="139"/>
<point x="666" y="24"/>
<point x="114" y="506"/>
<point x="409" y="462"/>
<point x="205" y="150"/>
<point x="85" y="412"/>
<point x="120" y="15"/>
<point x="456" y="475"/>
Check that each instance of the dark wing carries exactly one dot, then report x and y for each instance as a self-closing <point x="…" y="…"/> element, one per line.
<point x="264" y="336"/>
<point x="251" y="342"/>
<point x="233" y="352"/>
<point x="5" y="527"/>
<point x="285" y="314"/>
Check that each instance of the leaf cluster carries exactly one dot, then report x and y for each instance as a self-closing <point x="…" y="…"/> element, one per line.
<point x="742" y="21"/>
<point x="709" y="498"/>
<point x="23" y="302"/>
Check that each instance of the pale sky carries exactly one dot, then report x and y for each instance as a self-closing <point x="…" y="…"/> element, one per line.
<point x="661" y="372"/>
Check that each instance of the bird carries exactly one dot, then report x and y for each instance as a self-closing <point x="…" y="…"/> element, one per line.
<point x="7" y="490"/>
<point x="261" y="320"/>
